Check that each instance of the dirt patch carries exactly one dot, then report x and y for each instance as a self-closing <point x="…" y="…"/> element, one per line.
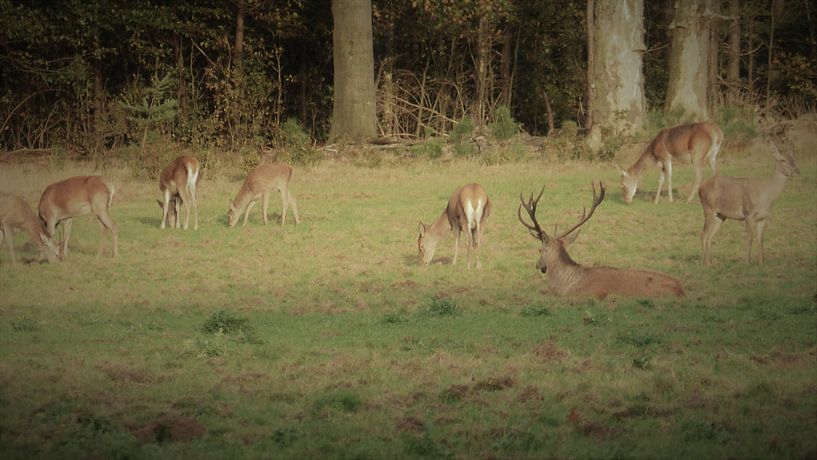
<point x="495" y="384"/>
<point x="455" y="392"/>
<point x="410" y="424"/>
<point x="125" y="374"/>
<point x="529" y="394"/>
<point x="549" y="352"/>
<point x="169" y="428"/>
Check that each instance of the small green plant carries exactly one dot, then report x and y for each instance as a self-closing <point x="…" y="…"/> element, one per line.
<point x="431" y="149"/>
<point x="342" y="401"/>
<point x="225" y="322"/>
<point x="503" y="126"/>
<point x="439" y="308"/>
<point x="639" y="340"/>
<point x="460" y="138"/>
<point x="394" y="318"/>
<point x="535" y="310"/>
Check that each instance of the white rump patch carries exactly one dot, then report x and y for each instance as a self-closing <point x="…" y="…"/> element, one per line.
<point x="473" y="215"/>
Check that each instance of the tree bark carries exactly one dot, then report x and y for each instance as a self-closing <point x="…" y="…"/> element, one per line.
<point x="618" y="100"/>
<point x="689" y="60"/>
<point x="776" y="10"/>
<point x="713" y="66"/>
<point x="591" y="63"/>
<point x="353" y="112"/>
<point x="733" y="71"/>
<point x="506" y="59"/>
<point x="180" y="71"/>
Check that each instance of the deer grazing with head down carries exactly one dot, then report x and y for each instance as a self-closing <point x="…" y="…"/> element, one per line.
<point x="16" y="213"/>
<point x="568" y="278"/>
<point x="178" y="183"/>
<point x="467" y="210"/>
<point x="746" y="199"/>
<point x="77" y="196"/>
<point x="696" y="142"/>
<point x="259" y="184"/>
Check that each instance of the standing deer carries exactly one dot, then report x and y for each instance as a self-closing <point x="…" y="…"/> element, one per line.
<point x="77" y="196"/>
<point x="695" y="141"/>
<point x="259" y="184"/>
<point x="467" y="210"/>
<point x="568" y="278"/>
<point x="746" y="199"/>
<point x="178" y="182"/>
<point x="15" y="212"/>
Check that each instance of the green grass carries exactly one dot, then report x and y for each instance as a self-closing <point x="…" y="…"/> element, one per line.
<point x="328" y="339"/>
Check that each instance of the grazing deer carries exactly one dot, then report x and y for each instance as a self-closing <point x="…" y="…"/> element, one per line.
<point x="172" y="210"/>
<point x="467" y="210"/>
<point x="77" y="196"/>
<point x="15" y="212"/>
<point x="259" y="184"/>
<point x="568" y="278"/>
<point x="178" y="182"/>
<point x="695" y="141"/>
<point x="746" y="199"/>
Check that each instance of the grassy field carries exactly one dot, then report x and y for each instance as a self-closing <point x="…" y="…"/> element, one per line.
<point x="329" y="340"/>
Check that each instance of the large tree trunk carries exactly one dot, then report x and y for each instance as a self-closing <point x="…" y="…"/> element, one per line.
<point x="353" y="113"/>
<point x="689" y="60"/>
<point x="505" y="62"/>
<point x="733" y="71"/>
<point x="618" y="100"/>
<point x="591" y="63"/>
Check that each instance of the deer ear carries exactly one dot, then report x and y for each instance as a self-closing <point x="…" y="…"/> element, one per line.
<point x="570" y="238"/>
<point x="161" y="205"/>
<point x="423" y="228"/>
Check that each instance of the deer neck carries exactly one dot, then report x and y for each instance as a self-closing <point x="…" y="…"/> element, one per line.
<point x="776" y="183"/>
<point x="440" y="227"/>
<point x="645" y="160"/>
<point x="564" y="274"/>
<point x="242" y="200"/>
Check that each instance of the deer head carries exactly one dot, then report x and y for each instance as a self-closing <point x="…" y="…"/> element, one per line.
<point x="426" y="244"/>
<point x="629" y="185"/>
<point x="233" y="214"/>
<point x="553" y="247"/>
<point x="785" y="162"/>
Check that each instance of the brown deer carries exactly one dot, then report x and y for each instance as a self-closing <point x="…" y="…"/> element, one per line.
<point x="178" y="183"/>
<point x="568" y="278"/>
<point x="746" y="199"/>
<point x="695" y="141"/>
<point x="16" y="213"/>
<point x="77" y="196"/>
<point x="467" y="210"/>
<point x="259" y="184"/>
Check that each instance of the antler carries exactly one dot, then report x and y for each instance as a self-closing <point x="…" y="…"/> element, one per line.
<point x="597" y="199"/>
<point x="535" y="229"/>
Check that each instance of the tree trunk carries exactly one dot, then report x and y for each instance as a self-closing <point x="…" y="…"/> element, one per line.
<point x="689" y="58"/>
<point x="776" y="10"/>
<point x="591" y="69"/>
<point x="733" y="71"/>
<point x="618" y="100"/>
<point x="713" y="66"/>
<point x="238" y="47"/>
<point x="505" y="62"/>
<point x="483" y="67"/>
<point x="182" y="91"/>
<point x="353" y="112"/>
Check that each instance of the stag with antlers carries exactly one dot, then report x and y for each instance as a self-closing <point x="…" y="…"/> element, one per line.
<point x="568" y="278"/>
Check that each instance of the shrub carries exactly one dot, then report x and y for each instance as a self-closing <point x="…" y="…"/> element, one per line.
<point x="504" y="126"/>
<point x="460" y="138"/>
<point x="439" y="308"/>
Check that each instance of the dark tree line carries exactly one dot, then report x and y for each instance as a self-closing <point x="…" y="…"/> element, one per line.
<point x="91" y="75"/>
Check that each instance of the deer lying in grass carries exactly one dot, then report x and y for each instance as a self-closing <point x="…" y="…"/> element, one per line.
<point x="467" y="210"/>
<point x="259" y="184"/>
<point x="178" y="183"/>
<point x="77" y="196"/>
<point x="16" y="213"/>
<point x="568" y="278"/>
<point x="695" y="141"/>
<point x="746" y="199"/>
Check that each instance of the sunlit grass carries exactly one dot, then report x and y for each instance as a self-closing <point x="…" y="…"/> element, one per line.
<point x="328" y="339"/>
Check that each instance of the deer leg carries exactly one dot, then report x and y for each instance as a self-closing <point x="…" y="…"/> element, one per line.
<point x="696" y="165"/>
<point x="711" y="225"/>
<point x="294" y="206"/>
<point x="456" y="246"/>
<point x="669" y="178"/>
<point x="186" y="204"/>
<point x="265" y="206"/>
<point x="750" y="238"/>
<point x="660" y="184"/>
<point x="284" y="205"/>
<point x="66" y="232"/>
<point x="165" y="206"/>
<point x="108" y="224"/>
<point x="9" y="240"/>
<point x="101" y="239"/>
<point x="761" y="228"/>
<point x="247" y="212"/>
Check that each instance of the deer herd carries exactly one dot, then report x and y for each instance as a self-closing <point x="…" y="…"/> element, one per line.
<point x="746" y="199"/>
